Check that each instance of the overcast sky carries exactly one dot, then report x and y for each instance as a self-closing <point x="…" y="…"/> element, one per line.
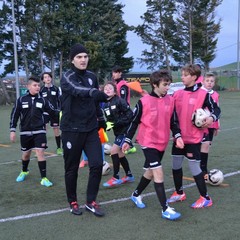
<point x="227" y="38"/>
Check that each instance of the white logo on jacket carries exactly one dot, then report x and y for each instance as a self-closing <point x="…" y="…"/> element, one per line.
<point x="90" y="81"/>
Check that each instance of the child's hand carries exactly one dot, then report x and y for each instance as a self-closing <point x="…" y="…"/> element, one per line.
<point x="179" y="143"/>
<point x="208" y="122"/>
<point x="12" y="136"/>
<point x="125" y="147"/>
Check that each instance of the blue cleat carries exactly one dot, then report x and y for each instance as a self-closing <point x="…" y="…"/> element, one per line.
<point x="45" y="182"/>
<point x="21" y="177"/>
<point x="138" y="201"/>
<point x="127" y="179"/>
<point x="170" y="214"/>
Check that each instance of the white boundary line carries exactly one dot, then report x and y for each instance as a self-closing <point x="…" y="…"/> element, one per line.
<point x="11" y="219"/>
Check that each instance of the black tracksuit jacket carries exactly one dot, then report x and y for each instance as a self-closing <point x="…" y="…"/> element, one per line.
<point x="118" y="111"/>
<point x="80" y="113"/>
<point x="30" y="110"/>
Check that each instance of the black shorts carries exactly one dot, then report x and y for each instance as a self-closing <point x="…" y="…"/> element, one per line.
<point x="208" y="136"/>
<point x="29" y="142"/>
<point x="119" y="140"/>
<point x="153" y="158"/>
<point x="188" y="148"/>
<point x="54" y="121"/>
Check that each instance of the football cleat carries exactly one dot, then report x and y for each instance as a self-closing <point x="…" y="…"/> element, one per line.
<point x="170" y="214"/>
<point x="21" y="177"/>
<point x="112" y="182"/>
<point x="74" y="208"/>
<point x="59" y="151"/>
<point x="177" y="197"/>
<point x="83" y="164"/>
<point x="131" y="150"/>
<point x="127" y="179"/>
<point x="95" y="209"/>
<point x="202" y="202"/>
<point x="138" y="201"/>
<point x="45" y="182"/>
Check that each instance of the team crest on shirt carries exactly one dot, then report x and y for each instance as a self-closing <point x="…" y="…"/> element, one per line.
<point x="90" y="81"/>
<point x="69" y="145"/>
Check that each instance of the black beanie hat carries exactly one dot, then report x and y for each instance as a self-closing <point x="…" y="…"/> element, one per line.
<point x="76" y="49"/>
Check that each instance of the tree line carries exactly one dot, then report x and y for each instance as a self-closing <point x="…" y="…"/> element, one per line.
<point x="176" y="31"/>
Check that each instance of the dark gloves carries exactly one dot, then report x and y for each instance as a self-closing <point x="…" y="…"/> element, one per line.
<point x="102" y="124"/>
<point x="99" y="96"/>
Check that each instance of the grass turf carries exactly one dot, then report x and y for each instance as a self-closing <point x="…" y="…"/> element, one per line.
<point x="27" y="209"/>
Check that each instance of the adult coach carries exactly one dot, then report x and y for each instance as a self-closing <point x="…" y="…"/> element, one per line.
<point x="81" y="118"/>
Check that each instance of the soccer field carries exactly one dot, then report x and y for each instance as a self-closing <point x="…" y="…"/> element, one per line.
<point x="30" y="211"/>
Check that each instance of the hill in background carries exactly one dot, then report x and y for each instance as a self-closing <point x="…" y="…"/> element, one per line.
<point x="230" y="66"/>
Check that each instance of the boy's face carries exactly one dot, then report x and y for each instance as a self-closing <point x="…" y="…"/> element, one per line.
<point x="33" y="87"/>
<point x="80" y="61"/>
<point x="209" y="82"/>
<point x="109" y="90"/>
<point x="116" y="75"/>
<point x="187" y="79"/>
<point x="47" y="79"/>
<point x="162" y="88"/>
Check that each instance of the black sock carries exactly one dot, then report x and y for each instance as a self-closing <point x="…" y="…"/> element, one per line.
<point x="25" y="165"/>
<point x="58" y="141"/>
<point x="116" y="165"/>
<point x="177" y="178"/>
<point x="203" y="163"/>
<point x="125" y="165"/>
<point x="161" y="194"/>
<point x="42" y="167"/>
<point x="141" y="186"/>
<point x="201" y="185"/>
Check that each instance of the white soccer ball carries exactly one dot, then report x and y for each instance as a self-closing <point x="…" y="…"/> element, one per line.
<point x="107" y="149"/>
<point x="106" y="168"/>
<point x="215" y="177"/>
<point x="199" y="117"/>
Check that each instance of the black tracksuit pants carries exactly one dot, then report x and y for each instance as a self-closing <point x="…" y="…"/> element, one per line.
<point x="73" y="144"/>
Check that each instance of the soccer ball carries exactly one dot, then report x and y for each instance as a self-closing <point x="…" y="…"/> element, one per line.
<point x="215" y="177"/>
<point x="199" y="116"/>
<point x="107" y="149"/>
<point x="106" y="168"/>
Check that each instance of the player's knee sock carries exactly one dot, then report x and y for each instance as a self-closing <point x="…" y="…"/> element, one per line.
<point x="160" y="190"/>
<point x="58" y="141"/>
<point x="201" y="185"/>
<point x="204" y="161"/>
<point x="116" y="165"/>
<point x="25" y="165"/>
<point x="177" y="178"/>
<point x="125" y="165"/>
<point x="42" y="167"/>
<point x="141" y="186"/>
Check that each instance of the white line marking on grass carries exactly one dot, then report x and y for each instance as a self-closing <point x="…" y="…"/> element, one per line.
<point x="10" y="219"/>
<point x="31" y="159"/>
<point x="229" y="129"/>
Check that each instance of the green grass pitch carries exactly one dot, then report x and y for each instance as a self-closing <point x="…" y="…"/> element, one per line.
<point x="30" y="211"/>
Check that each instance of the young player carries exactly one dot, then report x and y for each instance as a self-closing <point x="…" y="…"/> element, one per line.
<point x="52" y="93"/>
<point x="187" y="100"/>
<point x="154" y="113"/>
<point x="119" y="114"/>
<point x="207" y="84"/>
<point x="123" y="91"/>
<point x="30" y="108"/>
